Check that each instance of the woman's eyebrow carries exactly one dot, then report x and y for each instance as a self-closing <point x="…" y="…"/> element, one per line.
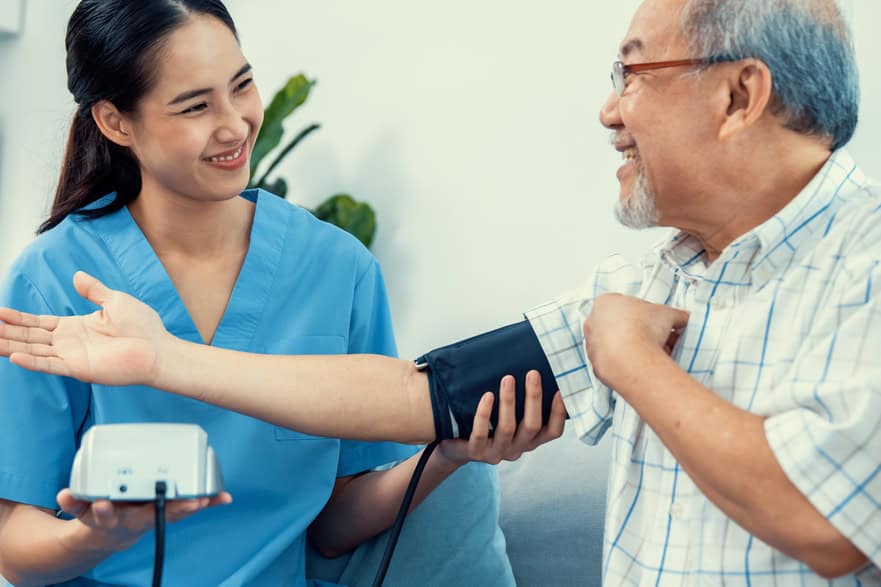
<point x="190" y="94"/>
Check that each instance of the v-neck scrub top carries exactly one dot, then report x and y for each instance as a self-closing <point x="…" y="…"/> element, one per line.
<point x="305" y="288"/>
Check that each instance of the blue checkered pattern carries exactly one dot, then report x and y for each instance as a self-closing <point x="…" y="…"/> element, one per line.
<point x="786" y="323"/>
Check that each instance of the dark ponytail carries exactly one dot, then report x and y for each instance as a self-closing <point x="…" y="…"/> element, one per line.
<point x="111" y="51"/>
<point x="92" y="167"/>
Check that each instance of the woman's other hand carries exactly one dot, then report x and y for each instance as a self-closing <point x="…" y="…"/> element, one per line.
<point x="509" y="440"/>
<point x="117" y="526"/>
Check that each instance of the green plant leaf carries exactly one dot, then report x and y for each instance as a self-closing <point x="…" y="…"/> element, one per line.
<point x="279" y="187"/>
<point x="355" y="217"/>
<point x="284" y="152"/>
<point x="289" y="98"/>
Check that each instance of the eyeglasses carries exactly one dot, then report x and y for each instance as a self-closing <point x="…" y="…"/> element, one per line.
<point x="620" y="71"/>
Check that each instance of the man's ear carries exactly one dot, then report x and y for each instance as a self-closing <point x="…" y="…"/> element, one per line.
<point x="750" y="88"/>
<point x="112" y="123"/>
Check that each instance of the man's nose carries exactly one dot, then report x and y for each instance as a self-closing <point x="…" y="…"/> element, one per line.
<point x="610" y="116"/>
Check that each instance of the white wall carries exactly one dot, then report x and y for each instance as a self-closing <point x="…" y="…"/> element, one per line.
<point x="470" y="126"/>
<point x="10" y="16"/>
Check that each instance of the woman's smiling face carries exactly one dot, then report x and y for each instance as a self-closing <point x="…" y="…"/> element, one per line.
<point x="194" y="130"/>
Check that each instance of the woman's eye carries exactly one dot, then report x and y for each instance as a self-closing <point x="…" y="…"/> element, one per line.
<point x="196" y="108"/>
<point x="244" y="84"/>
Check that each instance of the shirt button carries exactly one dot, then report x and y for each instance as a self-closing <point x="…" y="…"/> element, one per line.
<point x="718" y="302"/>
<point x="677" y="511"/>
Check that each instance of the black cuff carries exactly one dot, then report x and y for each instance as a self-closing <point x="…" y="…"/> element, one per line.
<point x="459" y="374"/>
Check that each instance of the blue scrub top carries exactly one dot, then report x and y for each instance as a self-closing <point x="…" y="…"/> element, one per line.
<point x="305" y="287"/>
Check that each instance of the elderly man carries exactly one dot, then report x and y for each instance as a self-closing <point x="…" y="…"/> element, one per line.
<point x="738" y="366"/>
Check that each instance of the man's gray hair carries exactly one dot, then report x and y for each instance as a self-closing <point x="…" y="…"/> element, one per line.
<point x="805" y="43"/>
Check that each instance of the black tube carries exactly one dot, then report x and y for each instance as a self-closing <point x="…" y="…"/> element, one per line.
<point x="402" y="514"/>
<point x="159" y="556"/>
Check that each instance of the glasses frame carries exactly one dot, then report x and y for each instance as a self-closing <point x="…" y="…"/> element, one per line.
<point x="621" y="70"/>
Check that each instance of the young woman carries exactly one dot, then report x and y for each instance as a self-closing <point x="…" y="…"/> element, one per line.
<point x="149" y="201"/>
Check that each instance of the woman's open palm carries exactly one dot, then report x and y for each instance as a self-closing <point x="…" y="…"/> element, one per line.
<point x="117" y="345"/>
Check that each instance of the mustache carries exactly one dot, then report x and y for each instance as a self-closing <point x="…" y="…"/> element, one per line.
<point x="617" y="137"/>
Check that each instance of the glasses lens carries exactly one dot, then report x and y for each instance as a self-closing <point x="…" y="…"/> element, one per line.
<point x="618" y="77"/>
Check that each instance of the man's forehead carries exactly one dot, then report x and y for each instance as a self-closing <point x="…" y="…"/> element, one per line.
<point x="654" y="29"/>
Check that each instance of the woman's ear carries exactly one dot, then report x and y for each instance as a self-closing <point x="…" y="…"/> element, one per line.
<point x="750" y="88"/>
<point x="112" y="123"/>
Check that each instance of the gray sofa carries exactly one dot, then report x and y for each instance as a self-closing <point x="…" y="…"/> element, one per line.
<point x="552" y="510"/>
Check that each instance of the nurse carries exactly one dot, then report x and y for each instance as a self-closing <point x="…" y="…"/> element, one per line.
<point x="148" y="201"/>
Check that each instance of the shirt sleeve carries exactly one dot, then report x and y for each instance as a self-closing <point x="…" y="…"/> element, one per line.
<point x="40" y="416"/>
<point x="558" y="326"/>
<point x="830" y="445"/>
<point x="371" y="332"/>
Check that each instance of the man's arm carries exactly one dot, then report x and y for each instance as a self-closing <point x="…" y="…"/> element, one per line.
<point x="726" y="453"/>
<point x="723" y="448"/>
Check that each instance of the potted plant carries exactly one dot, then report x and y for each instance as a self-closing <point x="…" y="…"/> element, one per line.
<point x="355" y="217"/>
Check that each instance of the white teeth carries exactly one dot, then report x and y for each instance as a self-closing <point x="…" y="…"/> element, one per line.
<point x="629" y="154"/>
<point x="235" y="155"/>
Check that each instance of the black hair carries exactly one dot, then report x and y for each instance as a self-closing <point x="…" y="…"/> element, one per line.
<point x="112" y="46"/>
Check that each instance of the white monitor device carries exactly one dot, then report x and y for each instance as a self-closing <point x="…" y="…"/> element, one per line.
<point x="123" y="462"/>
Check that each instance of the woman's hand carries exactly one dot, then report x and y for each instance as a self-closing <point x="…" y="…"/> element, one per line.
<point x="117" y="345"/>
<point x="509" y="440"/>
<point x="117" y="526"/>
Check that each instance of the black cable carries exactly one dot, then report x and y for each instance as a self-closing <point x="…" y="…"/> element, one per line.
<point x="402" y="513"/>
<point x="159" y="556"/>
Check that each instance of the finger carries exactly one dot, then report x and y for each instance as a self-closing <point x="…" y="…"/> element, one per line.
<point x="90" y="288"/>
<point x="10" y="347"/>
<point x="179" y="509"/>
<point x="530" y="426"/>
<point x="480" y="428"/>
<point x="556" y="422"/>
<point x="680" y="318"/>
<point x="222" y="498"/>
<point x="71" y="505"/>
<point x="672" y="340"/>
<point x="104" y="513"/>
<point x="25" y="334"/>
<point x="50" y="365"/>
<point x="14" y="317"/>
<point x="507" y="424"/>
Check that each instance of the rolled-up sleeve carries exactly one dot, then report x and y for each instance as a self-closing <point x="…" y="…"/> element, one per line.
<point x="557" y="324"/>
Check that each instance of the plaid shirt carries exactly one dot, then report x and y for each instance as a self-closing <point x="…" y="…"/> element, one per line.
<point x="785" y="323"/>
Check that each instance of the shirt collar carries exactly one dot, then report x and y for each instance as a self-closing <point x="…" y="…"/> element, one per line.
<point x="773" y="243"/>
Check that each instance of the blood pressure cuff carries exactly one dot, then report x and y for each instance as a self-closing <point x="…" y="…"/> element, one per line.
<point x="459" y="374"/>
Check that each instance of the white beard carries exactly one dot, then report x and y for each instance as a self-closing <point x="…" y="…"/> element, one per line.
<point x="639" y="209"/>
